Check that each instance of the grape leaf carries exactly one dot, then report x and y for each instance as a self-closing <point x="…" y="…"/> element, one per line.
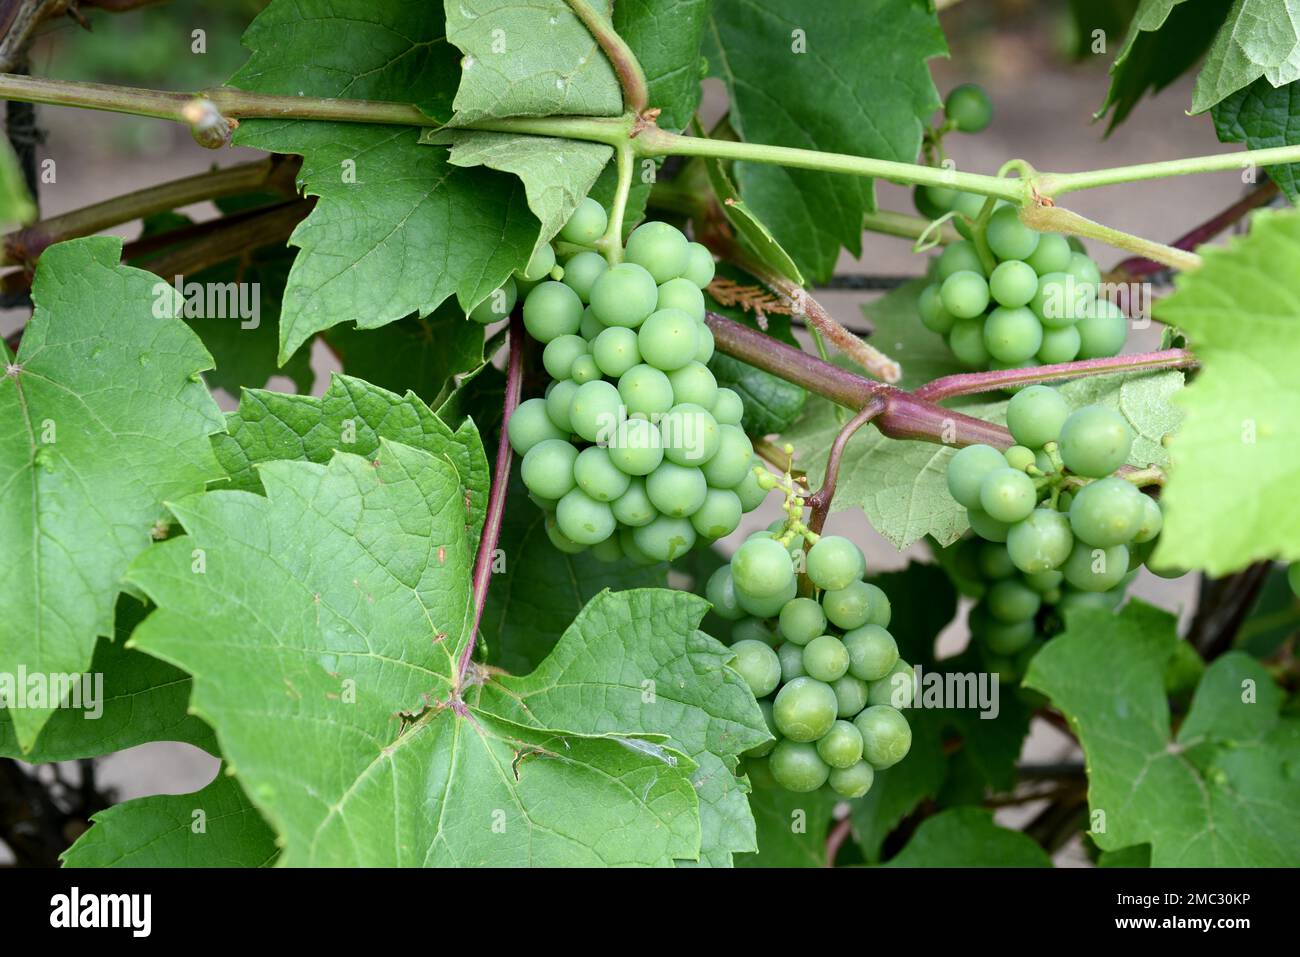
<point x="214" y="827"/>
<point x="1259" y="39"/>
<point x="967" y="837"/>
<point x="16" y="206"/>
<point x="352" y="416"/>
<point x="665" y="37"/>
<point x="1139" y="855"/>
<point x="756" y="237"/>
<point x="1220" y="792"/>
<point x="1230" y="498"/>
<point x="792" y="828"/>
<point x="105" y="417"/>
<point x="556" y="173"/>
<point x="528" y="58"/>
<point x="328" y="651"/>
<point x="635" y="659"/>
<point x="1262" y="116"/>
<point x="537" y="590"/>
<point x="842" y="76"/>
<point x="397" y="230"/>
<point x="142" y="699"/>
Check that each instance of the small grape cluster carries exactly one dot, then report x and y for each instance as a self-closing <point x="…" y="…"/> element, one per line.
<point x="1051" y="509"/>
<point x="825" y="670"/>
<point x="634" y="450"/>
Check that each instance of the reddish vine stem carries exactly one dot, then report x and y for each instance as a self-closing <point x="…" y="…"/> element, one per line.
<point x="835" y="840"/>
<point x="820" y="501"/>
<point x="497" y="496"/>
<point x="971" y="383"/>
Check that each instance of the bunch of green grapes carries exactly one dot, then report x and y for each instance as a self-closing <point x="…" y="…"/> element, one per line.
<point x="1059" y="527"/>
<point x="633" y="450"/>
<point x="825" y="669"/>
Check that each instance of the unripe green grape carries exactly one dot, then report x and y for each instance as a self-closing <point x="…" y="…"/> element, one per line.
<point x="761" y="567"/>
<point x="668" y="339"/>
<point x="497" y="305"/>
<point x="539" y="265"/>
<point x="700" y="266"/>
<point x="1008" y="237"/>
<point x="804" y="709"/>
<point x="825" y="658"/>
<point x="802" y="620"/>
<point x="986" y="526"/>
<point x="584" y="370"/>
<point x="1012" y="335"/>
<point x="966" y="340"/>
<point x="873" y="652"/>
<point x="728" y="408"/>
<point x="610" y="550"/>
<point x="681" y="293"/>
<point x="1010" y="601"/>
<point x="1095" y="441"/>
<point x="797" y="767"/>
<point x="850" y="695"/>
<point x="933" y="201"/>
<point x="691" y="436"/>
<point x="835" y="562"/>
<point x="756" y="629"/>
<point x="1045" y="582"/>
<point x="958" y="257"/>
<point x="694" y="383"/>
<point x="665" y="538"/>
<point x="968" y="207"/>
<point x="1059" y="345"/>
<point x="768" y="607"/>
<point x="624" y="295"/>
<point x="590" y="327"/>
<point x="1007" y="638"/>
<point x="547" y="469"/>
<point x="660" y="249"/>
<point x="853" y="782"/>
<point x="1041" y="542"/>
<point x="615" y="351"/>
<point x="598" y="476"/>
<point x="965" y="294"/>
<point x="886" y="736"/>
<point x="1103" y="331"/>
<point x="1013" y="283"/>
<point x="719" y="516"/>
<point x="594" y="411"/>
<point x="560" y="353"/>
<point x="879" y="610"/>
<point x="933" y="315"/>
<point x="758" y="664"/>
<point x="704" y="344"/>
<point x="1152" y="521"/>
<point x="848" y="607"/>
<point x="552" y="310"/>
<point x="1083" y="269"/>
<point x="897" y="689"/>
<point x="632" y="550"/>
<point x="586" y="224"/>
<point x="559" y="399"/>
<point x="583" y="519"/>
<point x="750" y="490"/>
<point x="646" y="390"/>
<point x="581" y="272"/>
<point x="545" y="504"/>
<point x="1059" y="301"/>
<point x="969" y="108"/>
<point x="791" y="656"/>
<point x="529" y="424"/>
<point x="635" y="448"/>
<point x="1007" y="495"/>
<point x="994" y="561"/>
<point x="1107" y="512"/>
<point x="559" y="539"/>
<point x="841" y="746"/>
<point x="1035" y="416"/>
<point x="968" y="469"/>
<point x="727" y="467"/>
<point x="1095" y="569"/>
<point x="721" y="593"/>
<point x="1019" y="458"/>
<point x="676" y="490"/>
<point x="1051" y="255"/>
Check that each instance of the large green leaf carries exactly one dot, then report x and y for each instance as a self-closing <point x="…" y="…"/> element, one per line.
<point x="1259" y="39"/>
<point x="967" y="837"/>
<point x="635" y="659"/>
<point x="842" y="76"/>
<point x="302" y="664"/>
<point x="665" y="36"/>
<point x="397" y="229"/>
<point x="215" y="827"/>
<point x="1230" y="499"/>
<point x="1221" y="791"/>
<point x="792" y="828"/>
<point x="103" y="418"/>
<point x="1263" y="116"/>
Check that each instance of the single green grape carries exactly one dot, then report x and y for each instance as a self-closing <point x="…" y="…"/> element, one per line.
<point x="586" y="224"/>
<point x="873" y="652"/>
<point x="1013" y="283"/>
<point x="965" y="294"/>
<point x="968" y="207"/>
<point x="598" y="476"/>
<point x="590" y="327"/>
<point x="719" y="516"/>
<point x="762" y="568"/>
<point x="552" y="310"/>
<point x="610" y="550"/>
<point x="1102" y="331"/>
<point x="1041" y="542"/>
<point x="758" y="664"/>
<point x="1035" y="416"/>
<point x="633" y="508"/>
<point x="1019" y="458"/>
<point x="1107" y="512"/>
<point x="1012" y="335"/>
<point x="497" y="305"/>
<point x="704" y="344"/>
<point x="559" y="399"/>
<point x="1153" y="521"/>
<point x="700" y="265"/>
<point x="756" y="629"/>
<point x="804" y="709"/>
<point x="968" y="469"/>
<point x="848" y="607"/>
<point x="853" y="782"/>
<point x="850" y="695"/>
<point x="1059" y="345"/>
<point x="933" y="201"/>
<point x="615" y="351"/>
<point x="791" y="656"/>
<point x="728" y="466"/>
<point x="645" y="390"/>
<point x="1095" y="441"/>
<point x="624" y="295"/>
<point x="728" y="408"/>
<point x="1007" y="638"/>
<point x="665" y="538"/>
<point x="581" y="272"/>
<point x="1008" y="237"/>
<point x="958" y="257"/>
<point x="660" y="249"/>
<point x="693" y="383"/>
<point x="993" y="560"/>
<point x="966" y="340"/>
<point x="802" y="620"/>
<point x="1051" y="255"/>
<point x="796" y="766"/>
<point x="547" y="469"/>
<point x="1059" y="301"/>
<point x="529" y="424"/>
<point x="1010" y="600"/>
<point x="1083" y="269"/>
<point x="681" y="293"/>
<point x="897" y="689"/>
<point x="879" y="610"/>
<point x="969" y="108"/>
<point x="584" y="370"/>
<point x="835" y="562"/>
<point x="539" y="265"/>
<point x="635" y="447"/>
<point x="583" y="519"/>
<point x="933" y="315"/>
<point x="559" y="539"/>
<point x="1095" y="569"/>
<point x="841" y="746"/>
<point x="1007" y="495"/>
<point x="559" y="354"/>
<point x="676" y="490"/>
<point x="720" y="590"/>
<point x="691" y="436"/>
<point x="594" y="410"/>
<point x="986" y="526"/>
<point x="632" y="550"/>
<point x="1046" y="581"/>
<point x="825" y="658"/>
<point x="668" y="339"/>
<point x="751" y="491"/>
<point x="886" y="736"/>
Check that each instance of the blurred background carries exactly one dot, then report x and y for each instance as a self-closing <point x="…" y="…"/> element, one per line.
<point x="1046" y="78"/>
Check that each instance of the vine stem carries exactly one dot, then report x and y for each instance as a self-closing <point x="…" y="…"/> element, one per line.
<point x="972" y="383"/>
<point x="835" y="840"/>
<point x="497" y="497"/>
<point x="1055" y="219"/>
<point x="820" y="500"/>
<point x="611" y="244"/>
<point x="636" y="95"/>
<point x="1056" y="184"/>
